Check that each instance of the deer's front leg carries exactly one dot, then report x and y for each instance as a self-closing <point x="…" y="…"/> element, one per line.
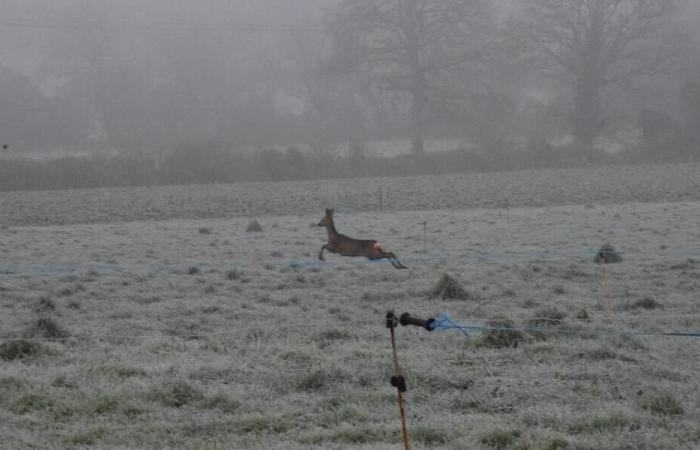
<point x="320" y="255"/>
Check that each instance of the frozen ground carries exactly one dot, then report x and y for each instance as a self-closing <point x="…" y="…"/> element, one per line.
<point x="601" y="185"/>
<point x="195" y="334"/>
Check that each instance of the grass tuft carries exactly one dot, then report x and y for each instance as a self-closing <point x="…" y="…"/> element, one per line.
<point x="47" y="328"/>
<point x="600" y="424"/>
<point x="546" y="318"/>
<point x="45" y="304"/>
<point x="503" y="335"/>
<point x="663" y="405"/>
<point x="607" y="255"/>
<point x="176" y="394"/>
<point x="499" y="440"/>
<point x="646" y="303"/>
<point x="89" y="438"/>
<point x="31" y="402"/>
<point x="221" y="402"/>
<point x="19" y="349"/>
<point x="449" y="288"/>
<point x="254" y="227"/>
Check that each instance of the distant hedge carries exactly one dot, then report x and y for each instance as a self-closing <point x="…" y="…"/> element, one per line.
<point x="217" y="164"/>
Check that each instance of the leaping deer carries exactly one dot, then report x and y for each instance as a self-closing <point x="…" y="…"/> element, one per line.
<point x="347" y="246"/>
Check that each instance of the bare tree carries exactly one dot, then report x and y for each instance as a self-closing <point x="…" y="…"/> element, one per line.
<point x="594" y="45"/>
<point x="411" y="46"/>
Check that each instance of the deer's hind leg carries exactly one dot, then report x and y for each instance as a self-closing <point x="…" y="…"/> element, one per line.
<point x="394" y="260"/>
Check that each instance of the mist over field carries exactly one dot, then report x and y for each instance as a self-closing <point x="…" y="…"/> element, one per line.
<point x="152" y="92"/>
<point x="208" y="208"/>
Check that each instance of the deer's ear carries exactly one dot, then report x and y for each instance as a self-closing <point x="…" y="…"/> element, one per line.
<point x="332" y="211"/>
<point x="328" y="211"/>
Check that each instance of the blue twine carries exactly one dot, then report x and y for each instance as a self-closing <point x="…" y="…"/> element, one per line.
<point x="444" y="323"/>
<point x="64" y="268"/>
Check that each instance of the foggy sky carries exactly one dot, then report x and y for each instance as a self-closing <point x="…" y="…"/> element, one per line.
<point x="115" y="67"/>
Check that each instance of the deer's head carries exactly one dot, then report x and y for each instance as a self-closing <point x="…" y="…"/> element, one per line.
<point x="327" y="219"/>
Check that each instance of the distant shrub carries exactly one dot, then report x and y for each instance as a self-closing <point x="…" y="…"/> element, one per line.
<point x="194" y="270"/>
<point x="254" y="227"/>
<point x="18" y="349"/>
<point x="204" y="230"/>
<point x="449" y="288"/>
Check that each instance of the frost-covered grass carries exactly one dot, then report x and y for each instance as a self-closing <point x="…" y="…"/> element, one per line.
<point x="544" y="187"/>
<point x="263" y="347"/>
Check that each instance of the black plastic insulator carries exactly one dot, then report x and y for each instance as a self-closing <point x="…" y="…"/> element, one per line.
<point x="406" y="319"/>
<point x="399" y="382"/>
<point x="391" y="319"/>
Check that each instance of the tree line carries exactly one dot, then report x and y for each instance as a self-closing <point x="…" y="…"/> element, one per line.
<point x="552" y="82"/>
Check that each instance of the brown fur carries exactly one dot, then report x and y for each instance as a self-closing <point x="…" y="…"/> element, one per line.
<point x="347" y="246"/>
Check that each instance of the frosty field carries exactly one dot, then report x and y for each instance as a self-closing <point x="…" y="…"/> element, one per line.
<point x="189" y="333"/>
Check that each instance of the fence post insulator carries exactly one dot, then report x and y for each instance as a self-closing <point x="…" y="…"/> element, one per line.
<point x="407" y="319"/>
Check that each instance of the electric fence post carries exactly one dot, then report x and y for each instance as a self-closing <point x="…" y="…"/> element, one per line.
<point x="398" y="380"/>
